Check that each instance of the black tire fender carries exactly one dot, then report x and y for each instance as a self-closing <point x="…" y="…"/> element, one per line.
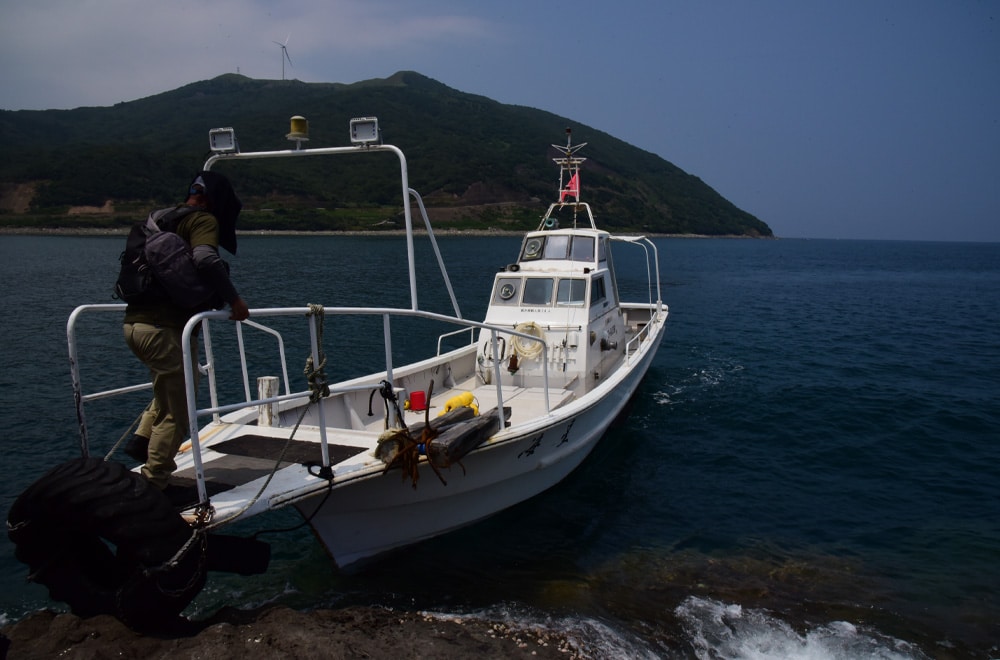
<point x="105" y="541"/>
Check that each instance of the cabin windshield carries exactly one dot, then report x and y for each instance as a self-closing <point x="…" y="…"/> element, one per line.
<point x="538" y="291"/>
<point x="559" y="246"/>
<point x="571" y="292"/>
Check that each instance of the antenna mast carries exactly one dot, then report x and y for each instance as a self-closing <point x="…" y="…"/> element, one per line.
<point x="569" y="165"/>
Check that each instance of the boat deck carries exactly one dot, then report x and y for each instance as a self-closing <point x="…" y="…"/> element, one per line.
<point x="236" y="456"/>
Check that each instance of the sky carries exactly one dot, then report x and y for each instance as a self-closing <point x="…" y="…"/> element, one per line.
<point x="855" y="119"/>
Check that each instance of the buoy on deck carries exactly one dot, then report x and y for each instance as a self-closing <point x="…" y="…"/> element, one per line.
<point x="458" y="401"/>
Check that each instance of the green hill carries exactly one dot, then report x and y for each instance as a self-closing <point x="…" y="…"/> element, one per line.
<point x="477" y="162"/>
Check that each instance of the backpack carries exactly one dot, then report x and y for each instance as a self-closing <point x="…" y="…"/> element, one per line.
<point x="157" y="265"/>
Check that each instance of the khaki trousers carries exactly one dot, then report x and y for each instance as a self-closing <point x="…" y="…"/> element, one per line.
<point x="165" y="420"/>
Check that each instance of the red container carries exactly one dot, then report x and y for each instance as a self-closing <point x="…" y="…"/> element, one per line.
<point x="418" y="401"/>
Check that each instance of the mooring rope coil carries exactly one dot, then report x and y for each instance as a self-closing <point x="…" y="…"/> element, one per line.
<point x="315" y="374"/>
<point x="528" y="348"/>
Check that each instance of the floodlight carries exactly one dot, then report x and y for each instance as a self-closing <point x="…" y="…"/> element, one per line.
<point x="222" y="140"/>
<point x="364" y="130"/>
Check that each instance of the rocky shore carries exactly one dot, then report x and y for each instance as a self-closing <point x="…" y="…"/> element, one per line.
<point x="280" y="632"/>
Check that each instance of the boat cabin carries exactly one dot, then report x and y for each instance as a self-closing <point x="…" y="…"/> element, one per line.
<point x="561" y="290"/>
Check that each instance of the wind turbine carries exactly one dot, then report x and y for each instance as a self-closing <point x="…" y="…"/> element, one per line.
<point x="284" y="55"/>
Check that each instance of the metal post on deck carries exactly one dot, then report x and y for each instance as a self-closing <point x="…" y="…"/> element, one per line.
<point x="268" y="387"/>
<point x="494" y="339"/>
<point x="387" y="337"/>
<point x="190" y="364"/>
<point x="74" y="370"/>
<point x="213" y="392"/>
<point x="320" y="412"/>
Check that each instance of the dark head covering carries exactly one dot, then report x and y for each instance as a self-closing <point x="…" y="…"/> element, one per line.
<point x="225" y="206"/>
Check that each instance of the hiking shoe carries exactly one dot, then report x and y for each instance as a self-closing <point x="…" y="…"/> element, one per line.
<point x="138" y="448"/>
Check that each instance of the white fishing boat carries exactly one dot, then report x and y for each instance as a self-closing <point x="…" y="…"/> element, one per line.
<point x="460" y="435"/>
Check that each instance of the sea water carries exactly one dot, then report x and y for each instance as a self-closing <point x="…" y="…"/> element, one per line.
<point x="811" y="467"/>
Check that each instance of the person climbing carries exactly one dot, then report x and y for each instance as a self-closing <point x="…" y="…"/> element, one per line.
<point x="207" y="220"/>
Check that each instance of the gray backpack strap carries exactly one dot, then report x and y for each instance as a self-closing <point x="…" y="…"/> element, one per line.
<point x="151" y="225"/>
<point x="167" y="219"/>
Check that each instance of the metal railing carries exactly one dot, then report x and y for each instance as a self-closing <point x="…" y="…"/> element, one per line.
<point x="317" y="351"/>
<point x="651" y="268"/>
<point x="632" y="346"/>
<point x="200" y="323"/>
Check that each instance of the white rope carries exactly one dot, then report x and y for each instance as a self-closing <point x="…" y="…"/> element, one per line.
<point x="528" y="349"/>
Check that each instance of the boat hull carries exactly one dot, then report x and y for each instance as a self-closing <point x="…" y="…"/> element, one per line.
<point x="369" y="516"/>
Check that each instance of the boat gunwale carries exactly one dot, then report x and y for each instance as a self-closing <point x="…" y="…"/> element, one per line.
<point x="371" y="469"/>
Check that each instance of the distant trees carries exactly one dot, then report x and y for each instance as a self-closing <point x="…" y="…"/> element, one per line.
<point x="462" y="150"/>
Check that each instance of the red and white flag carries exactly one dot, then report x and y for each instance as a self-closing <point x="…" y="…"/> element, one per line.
<point x="573" y="188"/>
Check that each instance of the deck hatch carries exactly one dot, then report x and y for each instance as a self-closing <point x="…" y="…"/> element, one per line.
<point x="269" y="448"/>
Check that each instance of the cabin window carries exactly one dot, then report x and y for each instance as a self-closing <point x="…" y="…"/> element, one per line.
<point x="611" y="273"/>
<point x="537" y="291"/>
<point x="556" y="247"/>
<point x="602" y="251"/>
<point x="571" y="292"/>
<point x="582" y="249"/>
<point x="598" y="292"/>
<point x="507" y="292"/>
<point x="532" y="248"/>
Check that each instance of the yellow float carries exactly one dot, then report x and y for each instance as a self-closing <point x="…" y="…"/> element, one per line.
<point x="459" y="400"/>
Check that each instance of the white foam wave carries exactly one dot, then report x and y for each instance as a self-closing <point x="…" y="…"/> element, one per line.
<point x="586" y="637"/>
<point x="715" y="373"/>
<point x="666" y="398"/>
<point x="721" y="630"/>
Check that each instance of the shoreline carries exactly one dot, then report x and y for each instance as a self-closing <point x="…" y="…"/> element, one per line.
<point x="473" y="233"/>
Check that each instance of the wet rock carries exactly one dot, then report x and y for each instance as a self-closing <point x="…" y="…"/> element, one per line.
<point x="279" y="632"/>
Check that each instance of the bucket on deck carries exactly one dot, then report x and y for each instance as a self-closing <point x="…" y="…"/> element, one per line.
<point x="418" y="400"/>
